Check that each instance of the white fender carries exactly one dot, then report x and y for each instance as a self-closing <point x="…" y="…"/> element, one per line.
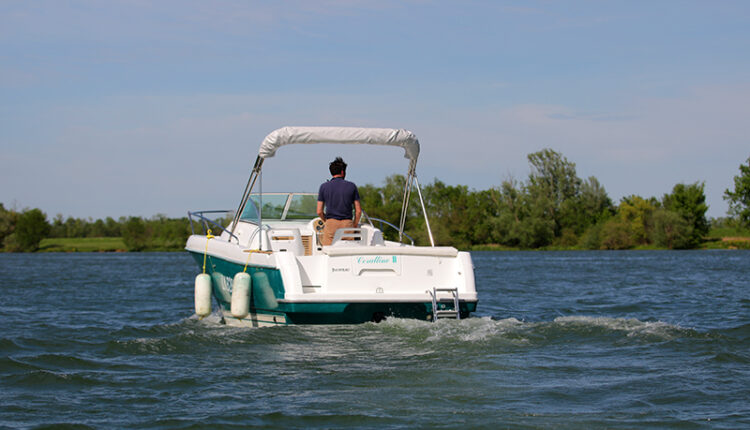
<point x="263" y="293"/>
<point x="241" y="295"/>
<point x="203" y="295"/>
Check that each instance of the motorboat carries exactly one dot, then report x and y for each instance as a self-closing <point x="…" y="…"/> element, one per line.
<point x="265" y="265"/>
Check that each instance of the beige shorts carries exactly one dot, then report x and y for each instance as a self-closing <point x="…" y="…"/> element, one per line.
<point x="330" y="229"/>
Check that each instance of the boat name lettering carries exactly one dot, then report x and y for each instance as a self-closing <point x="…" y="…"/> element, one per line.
<point x="376" y="260"/>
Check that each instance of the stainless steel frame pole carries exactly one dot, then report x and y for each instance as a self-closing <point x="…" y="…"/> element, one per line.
<point x="424" y="211"/>
<point x="246" y="194"/>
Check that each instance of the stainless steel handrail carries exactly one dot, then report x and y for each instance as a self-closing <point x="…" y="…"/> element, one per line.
<point x="382" y="221"/>
<point x="206" y="221"/>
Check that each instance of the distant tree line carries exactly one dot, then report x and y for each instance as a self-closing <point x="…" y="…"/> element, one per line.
<point x="23" y="231"/>
<point x="79" y="227"/>
<point x="157" y="233"/>
<point x="552" y="208"/>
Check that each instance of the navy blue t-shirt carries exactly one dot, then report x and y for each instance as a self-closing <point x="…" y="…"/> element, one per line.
<point x="338" y="195"/>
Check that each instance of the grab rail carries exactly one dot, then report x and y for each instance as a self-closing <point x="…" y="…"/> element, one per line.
<point x="204" y="222"/>
<point x="382" y="221"/>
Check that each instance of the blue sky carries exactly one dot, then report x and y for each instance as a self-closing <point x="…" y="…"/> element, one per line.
<point x="115" y="108"/>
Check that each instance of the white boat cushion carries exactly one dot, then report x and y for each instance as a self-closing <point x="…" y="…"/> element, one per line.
<point x="431" y="251"/>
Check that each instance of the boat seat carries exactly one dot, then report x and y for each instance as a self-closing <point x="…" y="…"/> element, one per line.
<point x="349" y="236"/>
<point x="428" y="251"/>
<point x="286" y="240"/>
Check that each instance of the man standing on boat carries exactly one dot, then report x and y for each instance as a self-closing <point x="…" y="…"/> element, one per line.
<point x="336" y="198"/>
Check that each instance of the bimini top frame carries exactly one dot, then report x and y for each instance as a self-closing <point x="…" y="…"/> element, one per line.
<point x="343" y="135"/>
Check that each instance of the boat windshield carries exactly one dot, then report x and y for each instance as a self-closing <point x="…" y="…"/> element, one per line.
<point x="282" y="206"/>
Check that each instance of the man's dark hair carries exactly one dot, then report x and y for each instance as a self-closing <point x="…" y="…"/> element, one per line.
<point x="337" y="166"/>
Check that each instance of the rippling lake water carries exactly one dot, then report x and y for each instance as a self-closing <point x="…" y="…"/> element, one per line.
<point x="652" y="339"/>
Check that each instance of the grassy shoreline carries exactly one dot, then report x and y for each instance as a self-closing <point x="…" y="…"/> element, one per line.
<point x="83" y="244"/>
<point x="744" y="243"/>
<point x="708" y="243"/>
<point x="116" y="244"/>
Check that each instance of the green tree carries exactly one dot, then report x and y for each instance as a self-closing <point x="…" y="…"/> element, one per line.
<point x="671" y="230"/>
<point x="134" y="234"/>
<point x="31" y="227"/>
<point x="7" y="223"/>
<point x="75" y="227"/>
<point x="509" y="207"/>
<point x="96" y="229"/>
<point x="111" y="227"/>
<point x="385" y="203"/>
<point x="516" y="216"/>
<point x="739" y="198"/>
<point x="453" y="213"/>
<point x="535" y="230"/>
<point x="58" y="226"/>
<point x="553" y="187"/>
<point x="592" y="237"/>
<point x="616" y="233"/>
<point x="487" y="204"/>
<point x="689" y="202"/>
<point x="594" y="203"/>
<point x="636" y="212"/>
<point x="164" y="234"/>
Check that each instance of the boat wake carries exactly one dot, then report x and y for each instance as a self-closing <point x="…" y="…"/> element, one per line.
<point x="404" y="337"/>
<point x="511" y="330"/>
<point x="477" y="329"/>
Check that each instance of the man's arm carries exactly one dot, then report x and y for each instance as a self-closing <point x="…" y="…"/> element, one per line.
<point x="321" y="214"/>
<point x="357" y="212"/>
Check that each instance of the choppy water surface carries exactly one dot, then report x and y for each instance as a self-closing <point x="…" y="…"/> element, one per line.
<point x="561" y="340"/>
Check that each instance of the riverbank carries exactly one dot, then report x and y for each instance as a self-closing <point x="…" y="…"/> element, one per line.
<point x="708" y="243"/>
<point x="83" y="244"/>
<point x="116" y="244"/>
